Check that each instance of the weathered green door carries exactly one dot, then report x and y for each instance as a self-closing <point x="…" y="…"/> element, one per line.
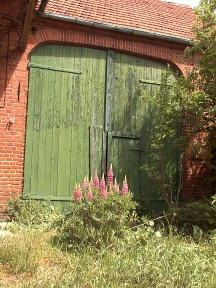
<point x="65" y="110"/>
<point x="85" y="111"/>
<point x="129" y="120"/>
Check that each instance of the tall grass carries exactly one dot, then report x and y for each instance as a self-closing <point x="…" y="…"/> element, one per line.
<point x="142" y="259"/>
<point x="20" y="253"/>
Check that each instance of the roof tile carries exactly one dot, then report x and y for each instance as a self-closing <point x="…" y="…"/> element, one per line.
<point x="154" y="16"/>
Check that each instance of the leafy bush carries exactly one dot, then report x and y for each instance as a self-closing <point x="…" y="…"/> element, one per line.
<point x="214" y="199"/>
<point x="100" y="213"/>
<point x="26" y="211"/>
<point x="199" y="213"/>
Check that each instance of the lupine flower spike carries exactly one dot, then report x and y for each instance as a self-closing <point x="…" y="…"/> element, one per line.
<point x="116" y="186"/>
<point x="91" y="182"/>
<point x="96" y="181"/>
<point x="103" y="195"/>
<point x="110" y="190"/>
<point x="102" y="184"/>
<point x="85" y="184"/>
<point x="124" y="187"/>
<point x="77" y="194"/>
<point x="89" y="193"/>
<point x="103" y="192"/>
<point x="110" y="176"/>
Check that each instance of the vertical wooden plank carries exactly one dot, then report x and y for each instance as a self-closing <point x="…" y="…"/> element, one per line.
<point x="96" y="146"/>
<point x="30" y="133"/>
<point x="41" y="132"/>
<point x="37" y="96"/>
<point x="75" y="55"/>
<point x="42" y="129"/>
<point x="62" y="187"/>
<point x="110" y="85"/>
<point x="49" y="94"/>
<point x="55" y="87"/>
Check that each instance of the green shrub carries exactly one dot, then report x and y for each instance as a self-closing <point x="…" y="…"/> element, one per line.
<point x="214" y="200"/>
<point x="200" y="213"/>
<point x="99" y="213"/>
<point x="26" y="211"/>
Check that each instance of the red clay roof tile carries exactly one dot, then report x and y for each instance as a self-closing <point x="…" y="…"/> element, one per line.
<point x="154" y="16"/>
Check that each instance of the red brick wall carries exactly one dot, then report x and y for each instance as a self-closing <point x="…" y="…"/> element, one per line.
<point x="13" y="70"/>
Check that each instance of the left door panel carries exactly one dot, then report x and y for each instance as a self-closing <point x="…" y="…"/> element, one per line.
<point x="66" y="98"/>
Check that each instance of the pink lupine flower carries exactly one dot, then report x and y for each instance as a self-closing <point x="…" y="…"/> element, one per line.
<point x="103" y="195"/>
<point x="89" y="193"/>
<point x="116" y="186"/>
<point x="102" y="184"/>
<point x="110" y="190"/>
<point x="124" y="187"/>
<point x="96" y="181"/>
<point x="85" y="184"/>
<point x="77" y="194"/>
<point x="103" y="192"/>
<point x="110" y="176"/>
<point x="91" y="182"/>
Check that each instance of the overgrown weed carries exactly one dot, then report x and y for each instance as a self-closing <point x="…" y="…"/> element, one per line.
<point x="144" y="258"/>
<point x="146" y="255"/>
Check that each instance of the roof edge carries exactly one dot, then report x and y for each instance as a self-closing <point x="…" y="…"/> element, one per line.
<point x="167" y="37"/>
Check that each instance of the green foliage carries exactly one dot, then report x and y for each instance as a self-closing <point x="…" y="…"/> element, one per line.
<point x="214" y="199"/>
<point x="200" y="213"/>
<point x="165" y="139"/>
<point x="200" y="82"/>
<point x="191" y="101"/>
<point x="96" y="221"/>
<point x="26" y="211"/>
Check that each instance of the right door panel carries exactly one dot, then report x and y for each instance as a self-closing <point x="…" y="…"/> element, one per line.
<point x="127" y="113"/>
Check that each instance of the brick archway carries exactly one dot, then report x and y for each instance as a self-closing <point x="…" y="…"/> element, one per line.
<point x="103" y="41"/>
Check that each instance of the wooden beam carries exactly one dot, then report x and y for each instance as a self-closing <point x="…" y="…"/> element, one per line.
<point x="27" y="24"/>
<point x="22" y="9"/>
<point x="11" y="18"/>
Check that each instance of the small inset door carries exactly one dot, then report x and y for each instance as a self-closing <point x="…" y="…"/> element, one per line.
<point x="124" y="152"/>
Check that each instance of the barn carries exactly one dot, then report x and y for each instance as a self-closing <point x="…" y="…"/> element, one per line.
<point x="72" y="78"/>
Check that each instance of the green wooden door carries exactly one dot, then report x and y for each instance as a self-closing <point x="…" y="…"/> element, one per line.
<point x="85" y="111"/>
<point x="65" y="114"/>
<point x="129" y="120"/>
